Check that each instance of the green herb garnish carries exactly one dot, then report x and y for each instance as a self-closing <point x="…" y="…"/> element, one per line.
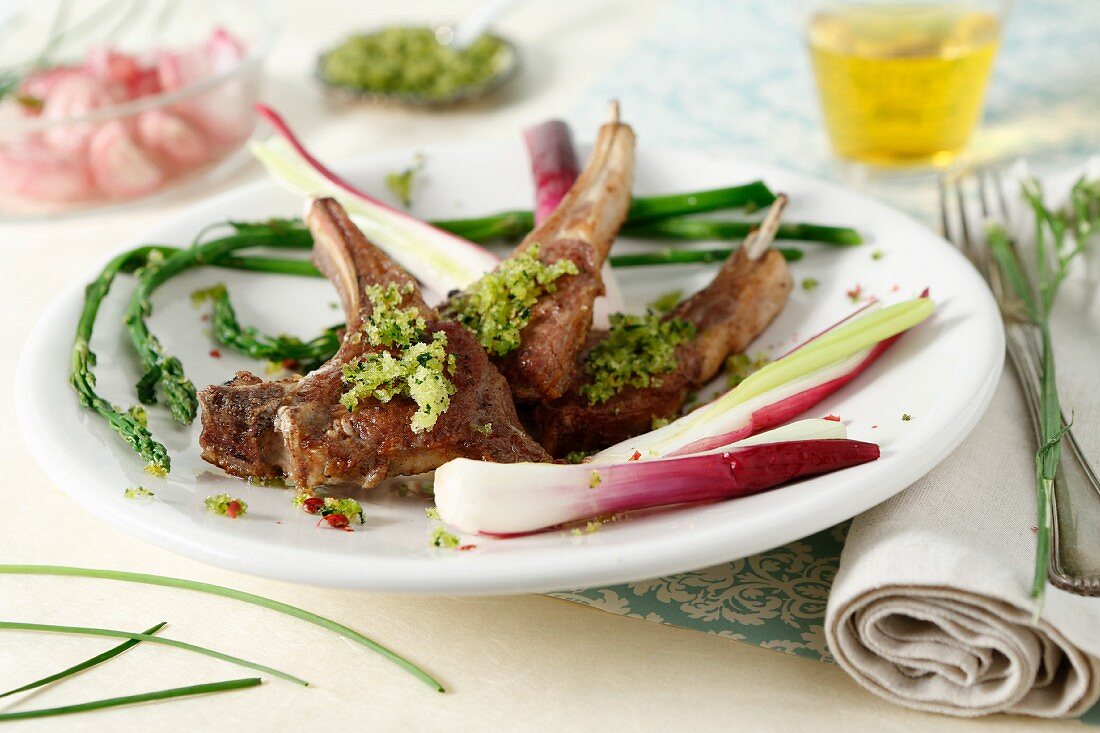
<point x="225" y="505"/>
<point x="498" y="306"/>
<point x="417" y="369"/>
<point x="666" y="302"/>
<point x="401" y="183"/>
<point x="740" y="366"/>
<point x="809" y="283"/>
<point x="138" y="492"/>
<point x="442" y="538"/>
<point x="636" y="351"/>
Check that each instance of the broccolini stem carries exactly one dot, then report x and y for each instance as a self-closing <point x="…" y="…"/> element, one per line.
<point x="249" y="341"/>
<point x="707" y="229"/>
<point x="128" y="425"/>
<point x="513" y="225"/>
<point x="160" y="368"/>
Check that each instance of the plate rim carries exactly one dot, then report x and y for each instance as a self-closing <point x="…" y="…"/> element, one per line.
<point x="599" y="565"/>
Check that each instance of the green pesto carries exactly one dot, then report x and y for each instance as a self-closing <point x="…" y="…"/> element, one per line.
<point x="411" y="60"/>
<point x="637" y="349"/>
<point x="498" y="306"/>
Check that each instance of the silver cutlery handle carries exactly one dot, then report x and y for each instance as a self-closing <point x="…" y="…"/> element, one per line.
<point x="1075" y="503"/>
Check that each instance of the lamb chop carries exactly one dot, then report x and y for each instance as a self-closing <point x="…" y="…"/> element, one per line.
<point x="299" y="427"/>
<point x="580" y="230"/>
<point x="747" y="293"/>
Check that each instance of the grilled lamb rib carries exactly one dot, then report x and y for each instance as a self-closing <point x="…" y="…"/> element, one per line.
<point x="581" y="229"/>
<point x="299" y="428"/>
<point x="728" y="314"/>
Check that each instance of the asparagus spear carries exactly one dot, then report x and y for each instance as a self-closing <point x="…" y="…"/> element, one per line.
<point x="160" y="368"/>
<point x="128" y="424"/>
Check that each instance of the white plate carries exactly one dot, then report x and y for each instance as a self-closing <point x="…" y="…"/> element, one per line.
<point x="943" y="374"/>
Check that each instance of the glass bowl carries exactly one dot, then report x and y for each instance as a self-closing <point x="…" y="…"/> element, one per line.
<point x="112" y="102"/>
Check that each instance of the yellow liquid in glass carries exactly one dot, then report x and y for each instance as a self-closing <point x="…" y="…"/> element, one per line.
<point x="902" y="84"/>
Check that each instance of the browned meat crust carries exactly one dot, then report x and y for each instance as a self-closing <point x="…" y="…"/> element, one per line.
<point x="582" y="230"/>
<point x="299" y="429"/>
<point x="728" y="314"/>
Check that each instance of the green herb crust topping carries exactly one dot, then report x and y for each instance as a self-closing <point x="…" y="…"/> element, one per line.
<point x="637" y="349"/>
<point x="498" y="306"/>
<point x="413" y="367"/>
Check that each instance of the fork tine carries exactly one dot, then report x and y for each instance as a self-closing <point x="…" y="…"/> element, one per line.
<point x="945" y="223"/>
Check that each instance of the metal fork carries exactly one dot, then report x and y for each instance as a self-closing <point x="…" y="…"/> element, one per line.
<point x="1075" y="502"/>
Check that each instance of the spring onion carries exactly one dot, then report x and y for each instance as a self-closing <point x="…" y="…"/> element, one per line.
<point x="509" y="499"/>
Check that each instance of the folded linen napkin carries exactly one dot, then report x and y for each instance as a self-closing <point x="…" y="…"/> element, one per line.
<point x="931" y="606"/>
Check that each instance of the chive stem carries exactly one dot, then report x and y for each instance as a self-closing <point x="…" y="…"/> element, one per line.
<point x="218" y="590"/>
<point x="88" y="631"/>
<point x="87" y="663"/>
<point x="114" y="702"/>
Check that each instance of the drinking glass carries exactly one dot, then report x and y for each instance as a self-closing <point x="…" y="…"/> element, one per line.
<point x="901" y="83"/>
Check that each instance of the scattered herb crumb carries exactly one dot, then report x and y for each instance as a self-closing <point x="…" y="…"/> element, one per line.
<point x="140" y="415"/>
<point x="809" y="283"/>
<point x="225" y="505"/>
<point x="138" y="492"/>
<point x="658" y="422"/>
<point x="200" y="296"/>
<point x="576" y="456"/>
<point x="401" y="183"/>
<point x="906" y="417"/>
<point x="432" y="512"/>
<point x="740" y="366"/>
<point x="878" y="254"/>
<point x="589" y="528"/>
<point x="666" y="302"/>
<point x="442" y="538"/>
<point x="594" y="479"/>
<point x="328" y="506"/>
<point x="485" y="429"/>
<point x="154" y="470"/>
